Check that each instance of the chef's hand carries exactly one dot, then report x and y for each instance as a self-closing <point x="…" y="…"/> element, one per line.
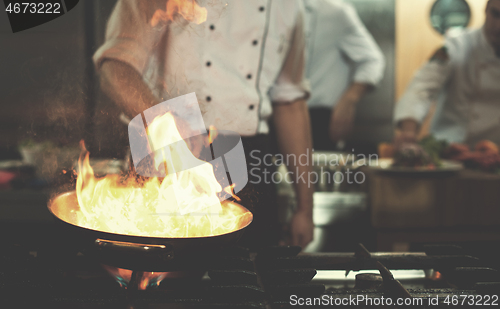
<point x="342" y="119"/>
<point x="302" y="228"/>
<point x="407" y="132"/>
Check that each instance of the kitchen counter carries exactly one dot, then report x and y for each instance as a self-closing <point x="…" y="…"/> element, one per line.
<point x="25" y="206"/>
<point x="25" y="219"/>
<point x="462" y="206"/>
<point x="473" y="199"/>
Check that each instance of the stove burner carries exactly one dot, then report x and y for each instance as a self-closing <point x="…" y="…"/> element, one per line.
<point x="138" y="280"/>
<point x="236" y="279"/>
<point x="368" y="281"/>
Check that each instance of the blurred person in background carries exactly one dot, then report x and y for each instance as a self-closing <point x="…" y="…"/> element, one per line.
<point x="464" y="78"/>
<point x="344" y="63"/>
<point x="246" y="65"/>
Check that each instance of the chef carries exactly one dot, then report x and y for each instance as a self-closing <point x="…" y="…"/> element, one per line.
<point x="246" y="65"/>
<point x="464" y="78"/>
<point x="344" y="63"/>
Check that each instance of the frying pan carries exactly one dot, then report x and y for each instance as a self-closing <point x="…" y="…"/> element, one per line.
<point x="140" y="253"/>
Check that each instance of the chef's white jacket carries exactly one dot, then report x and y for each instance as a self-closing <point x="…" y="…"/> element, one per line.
<point x="340" y="51"/>
<point x="246" y="56"/>
<point x="466" y="88"/>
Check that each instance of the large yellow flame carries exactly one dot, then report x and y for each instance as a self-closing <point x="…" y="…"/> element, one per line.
<point x="183" y="204"/>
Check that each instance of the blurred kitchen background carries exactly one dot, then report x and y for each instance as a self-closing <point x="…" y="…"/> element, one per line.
<point x="50" y="95"/>
<point x="49" y="83"/>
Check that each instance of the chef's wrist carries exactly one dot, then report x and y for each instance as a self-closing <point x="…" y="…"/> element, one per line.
<point x="304" y="204"/>
<point x="356" y="91"/>
<point x="304" y="211"/>
<point x="351" y="99"/>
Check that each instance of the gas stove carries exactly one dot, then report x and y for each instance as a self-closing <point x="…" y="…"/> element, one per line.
<point x="274" y="277"/>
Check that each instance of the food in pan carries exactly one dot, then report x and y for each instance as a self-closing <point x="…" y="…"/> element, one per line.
<point x="425" y="154"/>
<point x="412" y="155"/>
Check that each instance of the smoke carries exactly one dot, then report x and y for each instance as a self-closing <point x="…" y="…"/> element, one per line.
<point x="51" y="100"/>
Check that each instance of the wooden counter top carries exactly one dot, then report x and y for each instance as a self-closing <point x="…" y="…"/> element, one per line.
<point x="465" y="198"/>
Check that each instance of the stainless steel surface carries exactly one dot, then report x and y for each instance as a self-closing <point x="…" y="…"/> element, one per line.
<point x="373" y="122"/>
<point x="334" y="171"/>
<point x="331" y="209"/>
<point x="104" y="167"/>
<point x="337" y="279"/>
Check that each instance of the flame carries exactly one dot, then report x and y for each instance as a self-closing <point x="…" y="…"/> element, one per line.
<point x="212" y="134"/>
<point x="230" y="190"/>
<point x="182" y="204"/>
<point x="146" y="279"/>
<point x="188" y="9"/>
<point x="436" y="276"/>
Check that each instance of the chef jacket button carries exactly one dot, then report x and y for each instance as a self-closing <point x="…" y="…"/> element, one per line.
<point x="209" y="63"/>
<point x="249" y="76"/>
<point x="255" y="42"/>
<point x="262" y="9"/>
<point x="208" y="99"/>
<point x="212" y="27"/>
<point x="251" y="107"/>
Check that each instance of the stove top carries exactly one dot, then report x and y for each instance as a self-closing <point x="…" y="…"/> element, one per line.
<point x="275" y="277"/>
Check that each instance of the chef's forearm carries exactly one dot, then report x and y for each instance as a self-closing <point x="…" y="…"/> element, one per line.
<point x="293" y="130"/>
<point x="352" y="95"/>
<point x="355" y="92"/>
<point x="425" y="88"/>
<point x="126" y="87"/>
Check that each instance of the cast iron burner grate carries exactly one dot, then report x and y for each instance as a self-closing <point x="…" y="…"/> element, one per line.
<point x="57" y="278"/>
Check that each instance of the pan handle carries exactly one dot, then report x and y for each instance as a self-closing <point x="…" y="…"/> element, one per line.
<point x="165" y="251"/>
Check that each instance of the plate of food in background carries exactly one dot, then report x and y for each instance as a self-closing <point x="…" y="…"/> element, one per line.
<point x="435" y="156"/>
<point x="426" y="156"/>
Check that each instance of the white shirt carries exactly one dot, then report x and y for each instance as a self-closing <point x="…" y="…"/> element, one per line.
<point x="467" y="90"/>
<point x="245" y="56"/>
<point x="340" y="51"/>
